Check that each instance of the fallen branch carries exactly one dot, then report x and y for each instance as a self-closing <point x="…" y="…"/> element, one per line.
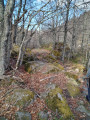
<point x="48" y="78"/>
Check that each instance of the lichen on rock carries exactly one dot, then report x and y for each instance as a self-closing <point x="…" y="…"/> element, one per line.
<point x="20" y="97"/>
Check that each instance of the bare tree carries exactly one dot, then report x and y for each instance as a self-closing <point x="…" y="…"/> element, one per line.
<point x="65" y="29"/>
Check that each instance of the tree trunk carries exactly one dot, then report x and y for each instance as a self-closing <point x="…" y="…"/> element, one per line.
<point x="1" y="31"/>
<point x="88" y="63"/>
<point x="65" y="30"/>
<point x="6" y="37"/>
<point x="73" y="36"/>
<point x="16" y="23"/>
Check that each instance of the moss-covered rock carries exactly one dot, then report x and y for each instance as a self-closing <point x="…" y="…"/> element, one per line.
<point x="28" y="67"/>
<point x="22" y="116"/>
<point x="53" y="70"/>
<point x="28" y="51"/>
<point x="50" y="58"/>
<point x="33" y="66"/>
<point x="73" y="89"/>
<point x="56" y="53"/>
<point x="53" y="102"/>
<point x="15" y="51"/>
<point x="43" y="115"/>
<point x="58" y="65"/>
<point x="71" y="75"/>
<point x="20" y="97"/>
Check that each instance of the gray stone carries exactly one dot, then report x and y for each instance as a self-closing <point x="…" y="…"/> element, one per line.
<point x="82" y="109"/>
<point x="59" y="96"/>
<point x="43" y="115"/>
<point x="81" y="102"/>
<point x="49" y="87"/>
<point x="22" y="116"/>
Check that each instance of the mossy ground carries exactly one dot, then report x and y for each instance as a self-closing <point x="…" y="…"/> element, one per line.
<point x="53" y="102"/>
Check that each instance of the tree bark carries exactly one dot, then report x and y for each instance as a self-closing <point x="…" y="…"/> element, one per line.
<point x="6" y="36"/>
<point x="1" y="31"/>
<point x="65" y="30"/>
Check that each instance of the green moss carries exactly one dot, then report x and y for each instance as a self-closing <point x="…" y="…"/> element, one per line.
<point x="71" y="75"/>
<point x="53" y="102"/>
<point x="79" y="66"/>
<point x="56" y="53"/>
<point x="28" y="51"/>
<point x="73" y="90"/>
<point x="47" y="46"/>
<point x="15" y="51"/>
<point x="50" y="58"/>
<point x="54" y="70"/>
<point x="58" y="65"/>
<point x="28" y="68"/>
<point x="59" y="46"/>
<point x="16" y="48"/>
<point x="20" y="97"/>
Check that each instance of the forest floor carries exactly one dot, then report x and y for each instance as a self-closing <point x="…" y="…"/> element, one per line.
<point x="43" y="79"/>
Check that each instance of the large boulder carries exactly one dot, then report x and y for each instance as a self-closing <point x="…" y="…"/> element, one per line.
<point x="43" y="67"/>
